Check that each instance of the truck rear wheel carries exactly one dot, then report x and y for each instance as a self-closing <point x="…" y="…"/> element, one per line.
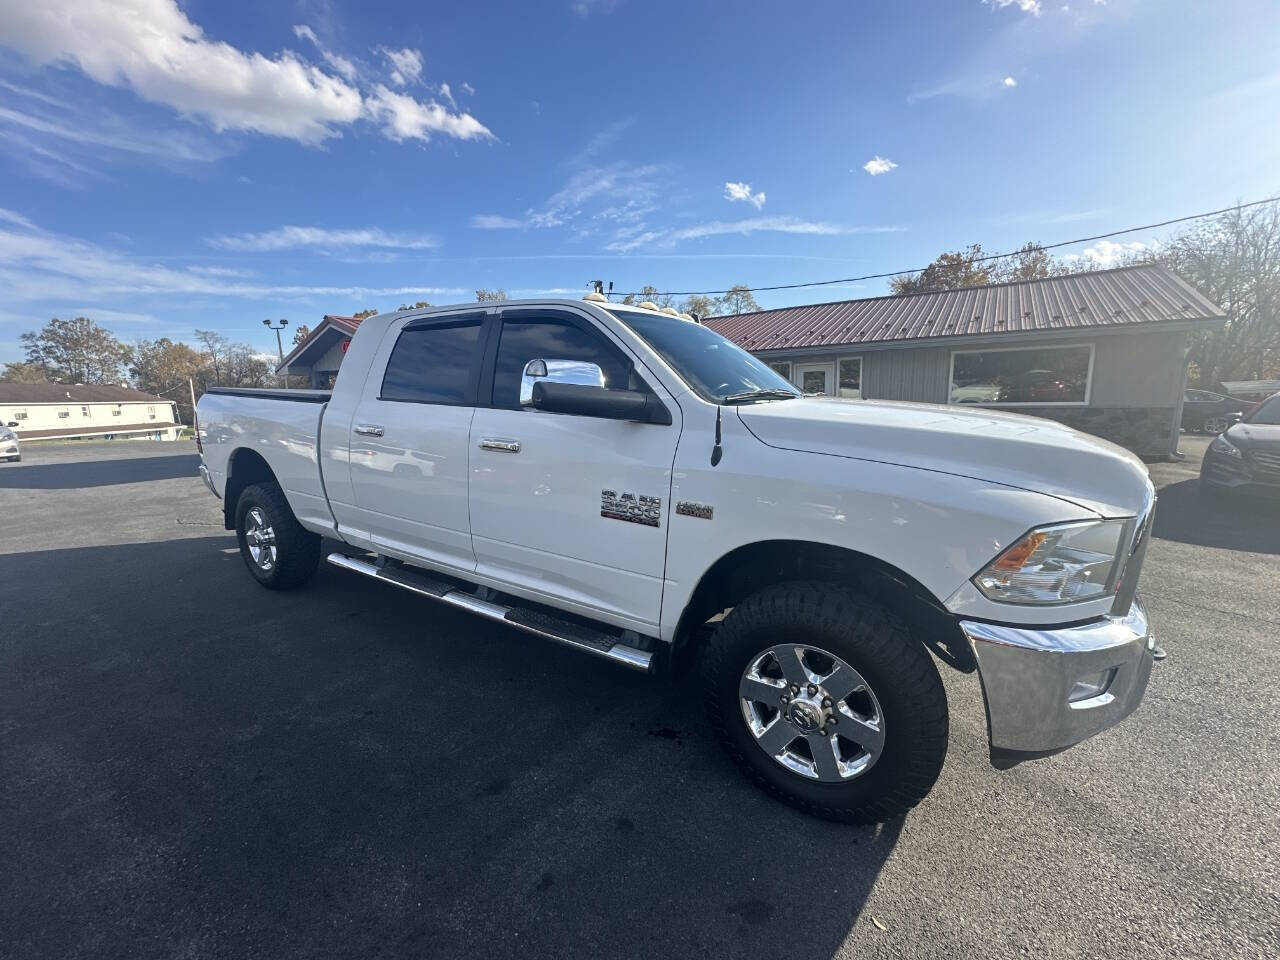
<point x="823" y="699"/>
<point x="278" y="551"/>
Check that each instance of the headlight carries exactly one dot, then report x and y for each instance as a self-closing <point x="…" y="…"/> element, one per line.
<point x="1225" y="447"/>
<point x="1063" y="563"/>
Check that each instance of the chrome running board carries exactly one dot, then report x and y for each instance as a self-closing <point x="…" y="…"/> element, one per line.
<point x="546" y="625"/>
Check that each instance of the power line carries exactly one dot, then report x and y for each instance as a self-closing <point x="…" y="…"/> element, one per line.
<point x="983" y="259"/>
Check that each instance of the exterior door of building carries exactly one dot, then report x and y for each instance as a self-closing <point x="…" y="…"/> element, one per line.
<point x="816" y="378"/>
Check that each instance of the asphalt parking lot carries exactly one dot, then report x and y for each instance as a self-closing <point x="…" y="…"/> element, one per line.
<point x="191" y="766"/>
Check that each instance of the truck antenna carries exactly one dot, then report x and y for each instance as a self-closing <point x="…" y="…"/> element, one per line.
<point x="717" y="451"/>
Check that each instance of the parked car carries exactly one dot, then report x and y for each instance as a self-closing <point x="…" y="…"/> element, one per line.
<point x="9" y="446"/>
<point x="1205" y="412"/>
<point x="635" y="486"/>
<point x="1246" y="458"/>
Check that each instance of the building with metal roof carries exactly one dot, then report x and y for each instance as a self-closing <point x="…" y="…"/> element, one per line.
<point x="1104" y="351"/>
<point x="49" y="411"/>
<point x="320" y="353"/>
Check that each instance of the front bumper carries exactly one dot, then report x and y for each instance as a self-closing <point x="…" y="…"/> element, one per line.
<point x="1028" y="676"/>
<point x="1228" y="474"/>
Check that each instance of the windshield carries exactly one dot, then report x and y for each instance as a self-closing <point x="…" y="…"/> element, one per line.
<point x="712" y="366"/>
<point x="1268" y="412"/>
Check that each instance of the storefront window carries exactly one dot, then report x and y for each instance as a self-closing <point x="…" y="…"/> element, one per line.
<point x="1045" y="375"/>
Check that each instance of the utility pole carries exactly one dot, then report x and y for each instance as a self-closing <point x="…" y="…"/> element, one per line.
<point x="279" y="343"/>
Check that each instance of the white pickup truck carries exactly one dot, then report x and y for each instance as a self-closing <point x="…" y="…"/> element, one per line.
<point x="633" y="485"/>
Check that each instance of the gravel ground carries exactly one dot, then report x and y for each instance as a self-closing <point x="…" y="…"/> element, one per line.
<point x="191" y="766"/>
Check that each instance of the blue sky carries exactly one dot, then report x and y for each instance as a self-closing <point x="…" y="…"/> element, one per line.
<point x="169" y="166"/>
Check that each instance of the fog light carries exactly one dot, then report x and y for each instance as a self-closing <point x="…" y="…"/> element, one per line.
<point x="1094" y="685"/>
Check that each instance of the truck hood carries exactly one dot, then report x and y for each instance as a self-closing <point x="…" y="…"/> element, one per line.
<point x="1018" y="451"/>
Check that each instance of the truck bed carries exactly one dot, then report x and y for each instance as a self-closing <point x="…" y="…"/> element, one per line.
<point x="304" y="396"/>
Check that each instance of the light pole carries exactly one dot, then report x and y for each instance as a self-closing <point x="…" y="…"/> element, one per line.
<point x="279" y="343"/>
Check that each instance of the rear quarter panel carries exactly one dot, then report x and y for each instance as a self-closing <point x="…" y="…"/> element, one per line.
<point x="285" y="433"/>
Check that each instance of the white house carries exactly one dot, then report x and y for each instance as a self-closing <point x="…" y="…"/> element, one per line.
<point x="44" y="411"/>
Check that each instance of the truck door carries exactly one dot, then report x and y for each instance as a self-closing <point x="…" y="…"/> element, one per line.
<point x="568" y="506"/>
<point x="409" y="440"/>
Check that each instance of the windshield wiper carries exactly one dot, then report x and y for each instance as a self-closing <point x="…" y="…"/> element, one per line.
<point x="750" y="395"/>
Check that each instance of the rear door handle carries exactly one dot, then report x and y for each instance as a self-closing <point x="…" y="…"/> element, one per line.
<point x="368" y="430"/>
<point x="506" y="446"/>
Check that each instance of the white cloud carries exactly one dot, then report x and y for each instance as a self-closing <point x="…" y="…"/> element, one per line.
<point x="878" y="165"/>
<point x="404" y="118"/>
<point x="293" y="238"/>
<point x="1108" y="253"/>
<point x="1032" y="7"/>
<point x="1010" y="82"/>
<point x="584" y="8"/>
<point x="447" y="95"/>
<point x="17" y="219"/>
<point x="406" y="65"/>
<point x="41" y="267"/>
<point x="493" y="221"/>
<point x="720" y="228"/>
<point x="340" y="63"/>
<point x="742" y="191"/>
<point x="468" y="89"/>
<point x="152" y="48"/>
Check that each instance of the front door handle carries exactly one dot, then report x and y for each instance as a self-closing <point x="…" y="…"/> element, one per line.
<point x="368" y="429"/>
<point x="506" y="446"/>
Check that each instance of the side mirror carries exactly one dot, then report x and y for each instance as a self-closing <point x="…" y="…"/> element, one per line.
<point x="558" y="371"/>
<point x="12" y="423"/>
<point x="586" y="400"/>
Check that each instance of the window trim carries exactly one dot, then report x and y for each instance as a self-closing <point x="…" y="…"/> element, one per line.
<point x="410" y="324"/>
<point x="775" y="364"/>
<point x="862" y="366"/>
<point x="1088" y="381"/>
<point x="489" y="378"/>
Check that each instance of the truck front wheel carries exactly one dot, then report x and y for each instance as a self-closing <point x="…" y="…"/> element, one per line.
<point x="278" y="551"/>
<point x="824" y="700"/>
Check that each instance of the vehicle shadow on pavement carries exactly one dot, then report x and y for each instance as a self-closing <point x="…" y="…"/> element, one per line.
<point x="98" y="473"/>
<point x="1224" y="522"/>
<point x="204" y="767"/>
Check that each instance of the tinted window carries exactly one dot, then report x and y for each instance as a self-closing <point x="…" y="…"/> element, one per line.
<point x="714" y="367"/>
<point x="1268" y="412"/>
<point x="433" y="364"/>
<point x="1049" y="375"/>
<point x="548" y="338"/>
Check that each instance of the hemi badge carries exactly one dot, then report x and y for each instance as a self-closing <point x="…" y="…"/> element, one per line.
<point x="687" y="508"/>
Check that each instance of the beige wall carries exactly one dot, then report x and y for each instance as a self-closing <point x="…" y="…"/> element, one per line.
<point x="100" y="418"/>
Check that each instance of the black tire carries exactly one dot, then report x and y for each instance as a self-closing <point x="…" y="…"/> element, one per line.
<point x="297" y="549"/>
<point x="878" y="645"/>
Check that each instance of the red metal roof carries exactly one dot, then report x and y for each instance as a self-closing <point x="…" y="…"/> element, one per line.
<point x="346" y="325"/>
<point x="1102" y="298"/>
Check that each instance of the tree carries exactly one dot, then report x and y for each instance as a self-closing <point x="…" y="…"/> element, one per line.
<point x="950" y="271"/>
<point x="1234" y="260"/>
<point x="22" y="373"/>
<point x="738" y="300"/>
<point x="158" y="366"/>
<point x="231" y="364"/>
<point x="699" y="305"/>
<point x="76" y="351"/>
<point x="483" y="296"/>
<point x="1029" y="262"/>
<point x="650" y="293"/>
<point x="370" y="312"/>
<point x="301" y="334"/>
<point x="417" y="306"/>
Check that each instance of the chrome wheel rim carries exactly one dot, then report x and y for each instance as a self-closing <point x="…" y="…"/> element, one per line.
<point x="1215" y="425"/>
<point x="260" y="538"/>
<point x="812" y="713"/>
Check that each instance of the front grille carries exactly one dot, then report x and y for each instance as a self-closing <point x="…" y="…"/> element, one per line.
<point x="1267" y="462"/>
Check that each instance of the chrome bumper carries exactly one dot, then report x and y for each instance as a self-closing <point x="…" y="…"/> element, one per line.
<point x="208" y="481"/>
<point x="1029" y="675"/>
